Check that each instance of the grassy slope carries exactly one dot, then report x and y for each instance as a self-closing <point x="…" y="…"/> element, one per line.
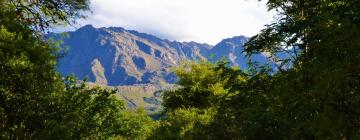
<point x="135" y="95"/>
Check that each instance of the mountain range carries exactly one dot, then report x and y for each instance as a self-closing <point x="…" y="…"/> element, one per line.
<point x="138" y="65"/>
<point x="115" y="56"/>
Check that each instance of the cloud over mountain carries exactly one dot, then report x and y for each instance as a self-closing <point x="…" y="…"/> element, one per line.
<point x="184" y="20"/>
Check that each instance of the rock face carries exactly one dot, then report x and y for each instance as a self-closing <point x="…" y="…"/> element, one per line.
<point x="114" y="56"/>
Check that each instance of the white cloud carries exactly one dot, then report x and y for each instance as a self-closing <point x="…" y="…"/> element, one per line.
<point x="206" y="21"/>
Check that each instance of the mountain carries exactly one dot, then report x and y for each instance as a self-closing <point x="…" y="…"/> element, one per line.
<point x="139" y="65"/>
<point x="115" y="56"/>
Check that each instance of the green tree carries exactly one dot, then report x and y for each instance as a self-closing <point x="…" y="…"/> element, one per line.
<point x="319" y="96"/>
<point x="80" y="112"/>
<point x="184" y="123"/>
<point x="43" y="14"/>
<point x="35" y="101"/>
<point x="192" y="111"/>
<point x="27" y="77"/>
<point x="315" y="97"/>
<point x="197" y="84"/>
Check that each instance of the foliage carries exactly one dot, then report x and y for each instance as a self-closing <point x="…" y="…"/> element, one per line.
<point x="43" y="14"/>
<point x="184" y="123"/>
<point x="191" y="109"/>
<point x="319" y="96"/>
<point x="80" y="112"/>
<point x="27" y="76"/>
<point x="316" y="98"/>
<point x="198" y="83"/>
<point x="35" y="101"/>
<point x="136" y="125"/>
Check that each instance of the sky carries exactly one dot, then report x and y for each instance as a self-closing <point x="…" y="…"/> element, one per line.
<point x="204" y="21"/>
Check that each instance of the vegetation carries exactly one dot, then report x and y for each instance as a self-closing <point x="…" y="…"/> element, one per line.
<point x="35" y="101"/>
<point x="312" y="94"/>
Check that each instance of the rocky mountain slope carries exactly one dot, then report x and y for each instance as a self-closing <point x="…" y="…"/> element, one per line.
<point x="139" y="65"/>
<point x="118" y="57"/>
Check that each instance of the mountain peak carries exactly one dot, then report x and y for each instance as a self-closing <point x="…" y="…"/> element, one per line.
<point x="234" y="40"/>
<point x="87" y="27"/>
<point x="116" y="29"/>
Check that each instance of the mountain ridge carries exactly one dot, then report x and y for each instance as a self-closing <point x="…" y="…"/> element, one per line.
<point x="115" y="56"/>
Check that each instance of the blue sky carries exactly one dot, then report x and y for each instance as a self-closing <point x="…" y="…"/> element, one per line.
<point x="206" y="21"/>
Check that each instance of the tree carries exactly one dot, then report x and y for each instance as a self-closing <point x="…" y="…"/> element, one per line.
<point x="43" y="14"/>
<point x="316" y="97"/>
<point x="27" y="77"/>
<point x="35" y="101"/>
<point x="200" y="87"/>
<point x="80" y="112"/>
<point x="320" y="94"/>
<point x="184" y="123"/>
<point x="194" y="109"/>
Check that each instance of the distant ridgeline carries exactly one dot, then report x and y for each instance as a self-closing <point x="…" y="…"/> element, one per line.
<point x="117" y="57"/>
